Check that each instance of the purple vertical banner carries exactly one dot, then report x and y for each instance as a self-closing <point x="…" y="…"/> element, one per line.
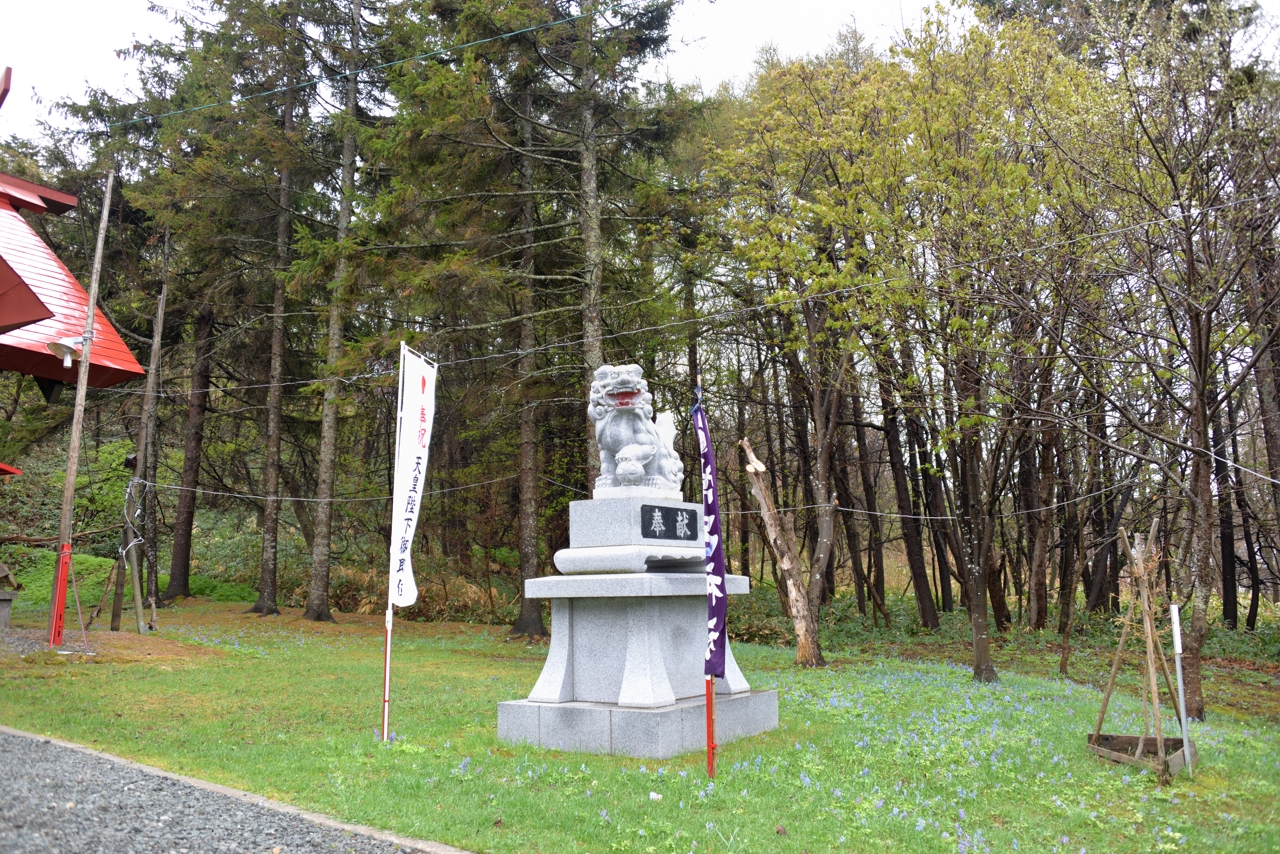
<point x="716" y="601"/>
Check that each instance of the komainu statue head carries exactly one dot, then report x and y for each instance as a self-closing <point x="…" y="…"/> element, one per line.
<point x="634" y="450"/>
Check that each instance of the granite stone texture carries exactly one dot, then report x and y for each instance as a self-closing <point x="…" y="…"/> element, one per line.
<point x="659" y="733"/>
<point x="633" y="534"/>
<point x="624" y="522"/>
<point x="647" y="492"/>
<point x="627" y="586"/>
<point x="638" y="641"/>
<point x="624" y="671"/>
<point x="624" y="559"/>
<point x="555" y="684"/>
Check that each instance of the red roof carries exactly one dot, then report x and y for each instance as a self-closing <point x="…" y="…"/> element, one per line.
<point x="25" y="254"/>
<point x="19" y="305"/>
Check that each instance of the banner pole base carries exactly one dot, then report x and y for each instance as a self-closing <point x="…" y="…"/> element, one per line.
<point x="711" y="728"/>
<point x="386" y="679"/>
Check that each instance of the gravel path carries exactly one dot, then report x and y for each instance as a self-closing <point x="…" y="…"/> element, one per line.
<point x="27" y="641"/>
<point x="59" y="798"/>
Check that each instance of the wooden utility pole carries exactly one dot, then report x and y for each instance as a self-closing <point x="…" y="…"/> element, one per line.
<point x="57" y="601"/>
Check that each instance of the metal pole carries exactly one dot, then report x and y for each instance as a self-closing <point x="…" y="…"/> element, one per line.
<point x="711" y="727"/>
<point x="386" y="679"/>
<point x="1182" y="691"/>
<point x="57" y="603"/>
<point x="134" y="540"/>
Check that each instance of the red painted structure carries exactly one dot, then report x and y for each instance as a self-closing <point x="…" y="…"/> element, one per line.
<point x="41" y="302"/>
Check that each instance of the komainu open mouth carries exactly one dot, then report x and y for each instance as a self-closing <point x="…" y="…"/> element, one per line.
<point x="623" y="399"/>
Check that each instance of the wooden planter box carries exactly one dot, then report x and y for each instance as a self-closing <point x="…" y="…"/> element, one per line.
<point x="1125" y="748"/>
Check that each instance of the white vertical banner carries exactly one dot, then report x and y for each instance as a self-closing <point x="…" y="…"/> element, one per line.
<point x="417" y="409"/>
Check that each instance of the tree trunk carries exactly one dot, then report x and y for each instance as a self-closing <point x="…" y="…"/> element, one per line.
<point x="1197" y="572"/>
<point x="1264" y="372"/>
<point x="825" y="411"/>
<point x="529" y="622"/>
<point x="866" y="470"/>
<point x="590" y="214"/>
<point x="932" y="494"/>
<point x="853" y="541"/>
<point x="266" y="604"/>
<point x="1041" y="532"/>
<point x="808" y="648"/>
<point x="1100" y="557"/>
<point x="1242" y="504"/>
<point x="995" y="592"/>
<point x="147" y="445"/>
<point x="1226" y="524"/>
<point x="907" y="517"/>
<point x="744" y="532"/>
<point x="984" y="669"/>
<point x="318" y="588"/>
<point x="184" y="518"/>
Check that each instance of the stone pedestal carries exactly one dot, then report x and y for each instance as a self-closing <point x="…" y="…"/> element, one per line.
<point x="629" y="614"/>
<point x="642" y="733"/>
<point x="624" y="671"/>
<point x="6" y="606"/>
<point x="635" y="530"/>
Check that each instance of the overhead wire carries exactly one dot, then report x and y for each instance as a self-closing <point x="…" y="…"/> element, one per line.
<point x="334" y="500"/>
<point x="316" y="81"/>
<point x="698" y="320"/>
<point x="772" y="304"/>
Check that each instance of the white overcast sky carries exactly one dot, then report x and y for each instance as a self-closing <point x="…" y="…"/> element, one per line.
<point x="58" y="47"/>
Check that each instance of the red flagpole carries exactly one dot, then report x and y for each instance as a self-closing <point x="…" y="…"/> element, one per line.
<point x="711" y="727"/>
<point x="58" y="604"/>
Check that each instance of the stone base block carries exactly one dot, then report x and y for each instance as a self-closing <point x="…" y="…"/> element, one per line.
<point x="659" y="733"/>
<point x="6" y="606"/>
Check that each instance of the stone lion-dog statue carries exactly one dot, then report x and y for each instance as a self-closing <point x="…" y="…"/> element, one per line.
<point x="634" y="450"/>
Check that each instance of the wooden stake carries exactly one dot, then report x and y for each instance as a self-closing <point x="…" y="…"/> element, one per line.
<point x="1149" y="627"/>
<point x="1115" y="668"/>
<point x="106" y="591"/>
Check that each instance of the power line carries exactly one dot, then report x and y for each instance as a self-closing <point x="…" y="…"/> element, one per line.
<point x="1011" y="514"/>
<point x="316" y="81"/>
<point x="339" y="500"/>
<point x="751" y="309"/>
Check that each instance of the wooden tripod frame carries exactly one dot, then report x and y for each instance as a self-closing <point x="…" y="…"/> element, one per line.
<point x="1165" y="756"/>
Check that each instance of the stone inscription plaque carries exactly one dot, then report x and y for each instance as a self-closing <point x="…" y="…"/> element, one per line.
<point x="668" y="523"/>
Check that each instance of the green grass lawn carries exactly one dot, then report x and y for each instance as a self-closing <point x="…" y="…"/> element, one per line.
<point x="873" y="753"/>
